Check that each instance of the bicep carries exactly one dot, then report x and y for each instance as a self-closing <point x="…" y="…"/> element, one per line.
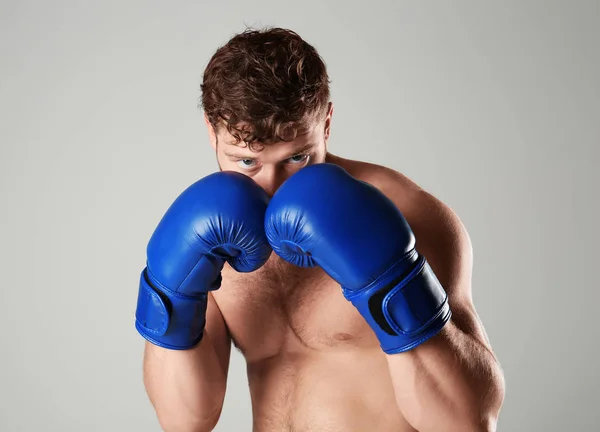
<point x="218" y="333"/>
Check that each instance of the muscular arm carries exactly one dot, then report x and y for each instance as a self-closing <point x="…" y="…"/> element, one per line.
<point x="187" y="387"/>
<point x="453" y="382"/>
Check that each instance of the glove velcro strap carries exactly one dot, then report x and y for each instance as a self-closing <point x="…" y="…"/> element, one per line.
<point x="153" y="311"/>
<point x="404" y="311"/>
<point x="168" y="319"/>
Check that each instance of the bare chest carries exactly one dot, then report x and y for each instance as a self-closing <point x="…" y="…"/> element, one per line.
<point x="281" y="307"/>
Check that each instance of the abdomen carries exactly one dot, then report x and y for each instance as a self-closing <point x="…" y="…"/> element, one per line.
<point x="324" y="391"/>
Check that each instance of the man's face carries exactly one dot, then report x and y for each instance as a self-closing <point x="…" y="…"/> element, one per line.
<point x="274" y="163"/>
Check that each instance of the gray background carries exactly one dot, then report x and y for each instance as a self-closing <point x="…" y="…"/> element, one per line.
<point x="493" y="107"/>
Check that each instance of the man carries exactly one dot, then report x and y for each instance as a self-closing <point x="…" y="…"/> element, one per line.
<point x="346" y="286"/>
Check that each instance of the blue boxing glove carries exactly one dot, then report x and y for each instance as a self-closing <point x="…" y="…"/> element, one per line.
<point x="218" y="219"/>
<point x="321" y="216"/>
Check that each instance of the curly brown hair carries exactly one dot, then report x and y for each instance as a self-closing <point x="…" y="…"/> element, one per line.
<point x="264" y="86"/>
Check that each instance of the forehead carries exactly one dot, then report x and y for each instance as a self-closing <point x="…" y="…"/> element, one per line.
<point x="305" y="136"/>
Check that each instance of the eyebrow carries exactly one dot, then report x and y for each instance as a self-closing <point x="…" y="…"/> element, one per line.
<point x="246" y="156"/>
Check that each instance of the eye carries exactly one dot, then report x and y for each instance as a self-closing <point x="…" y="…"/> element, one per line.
<point x="298" y="159"/>
<point x="246" y="163"/>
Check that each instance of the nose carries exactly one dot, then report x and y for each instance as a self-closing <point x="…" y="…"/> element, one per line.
<point x="270" y="178"/>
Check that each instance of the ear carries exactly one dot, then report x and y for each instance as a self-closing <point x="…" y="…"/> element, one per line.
<point x="212" y="136"/>
<point x="328" y="121"/>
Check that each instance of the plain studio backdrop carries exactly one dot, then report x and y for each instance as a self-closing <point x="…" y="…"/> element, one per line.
<point x="494" y="108"/>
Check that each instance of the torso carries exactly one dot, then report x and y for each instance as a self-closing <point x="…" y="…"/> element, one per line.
<point x="313" y="362"/>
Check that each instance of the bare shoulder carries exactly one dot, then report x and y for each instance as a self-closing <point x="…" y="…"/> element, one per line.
<point x="379" y="176"/>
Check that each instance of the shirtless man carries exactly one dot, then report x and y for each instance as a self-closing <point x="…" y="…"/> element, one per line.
<point x="292" y="254"/>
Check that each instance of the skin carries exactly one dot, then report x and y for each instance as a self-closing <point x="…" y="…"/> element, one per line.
<point x="313" y="362"/>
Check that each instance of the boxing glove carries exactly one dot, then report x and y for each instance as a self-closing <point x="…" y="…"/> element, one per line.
<point x="321" y="216"/>
<point x="218" y="219"/>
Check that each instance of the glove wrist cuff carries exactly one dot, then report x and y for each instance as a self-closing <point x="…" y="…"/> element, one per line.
<point x="168" y="319"/>
<point x="404" y="311"/>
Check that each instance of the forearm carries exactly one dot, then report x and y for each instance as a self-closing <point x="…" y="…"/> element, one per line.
<point x="186" y="387"/>
<point x="452" y="383"/>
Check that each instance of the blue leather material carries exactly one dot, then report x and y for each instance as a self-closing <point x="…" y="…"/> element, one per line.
<point x="153" y="314"/>
<point x="218" y="219"/>
<point x="169" y="319"/>
<point x="323" y="216"/>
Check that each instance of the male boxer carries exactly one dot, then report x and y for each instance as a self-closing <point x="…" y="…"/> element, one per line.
<point x="346" y="287"/>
